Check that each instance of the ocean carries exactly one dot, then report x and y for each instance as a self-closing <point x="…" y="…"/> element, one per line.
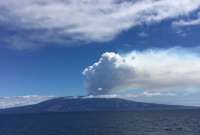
<point x="181" y="122"/>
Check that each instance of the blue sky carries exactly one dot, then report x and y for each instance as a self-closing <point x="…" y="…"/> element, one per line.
<point x="44" y="48"/>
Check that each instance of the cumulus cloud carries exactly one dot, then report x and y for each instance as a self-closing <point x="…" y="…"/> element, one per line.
<point x="27" y="23"/>
<point x="153" y="71"/>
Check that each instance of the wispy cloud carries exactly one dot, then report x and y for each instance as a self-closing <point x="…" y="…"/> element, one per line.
<point x="152" y="70"/>
<point x="132" y="96"/>
<point x="7" y="102"/>
<point x="32" y="23"/>
<point x="188" y="22"/>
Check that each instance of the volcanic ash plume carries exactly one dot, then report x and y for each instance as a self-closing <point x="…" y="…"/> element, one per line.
<point x="150" y="70"/>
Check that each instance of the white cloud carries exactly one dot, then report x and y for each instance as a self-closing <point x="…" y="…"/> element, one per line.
<point x="187" y="22"/>
<point x="190" y="22"/>
<point x="7" y="102"/>
<point x="144" y="94"/>
<point x="151" y="70"/>
<point x="143" y="34"/>
<point x="38" y="22"/>
<point x="153" y="94"/>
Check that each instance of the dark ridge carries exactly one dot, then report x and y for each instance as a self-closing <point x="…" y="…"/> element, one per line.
<point x="81" y="104"/>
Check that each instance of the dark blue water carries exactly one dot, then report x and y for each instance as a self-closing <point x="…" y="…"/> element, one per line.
<point x="103" y="123"/>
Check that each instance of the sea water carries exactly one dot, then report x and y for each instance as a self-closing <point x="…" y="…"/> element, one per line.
<point x="182" y="122"/>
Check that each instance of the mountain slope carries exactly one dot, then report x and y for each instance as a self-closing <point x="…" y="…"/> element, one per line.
<point x="89" y="104"/>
